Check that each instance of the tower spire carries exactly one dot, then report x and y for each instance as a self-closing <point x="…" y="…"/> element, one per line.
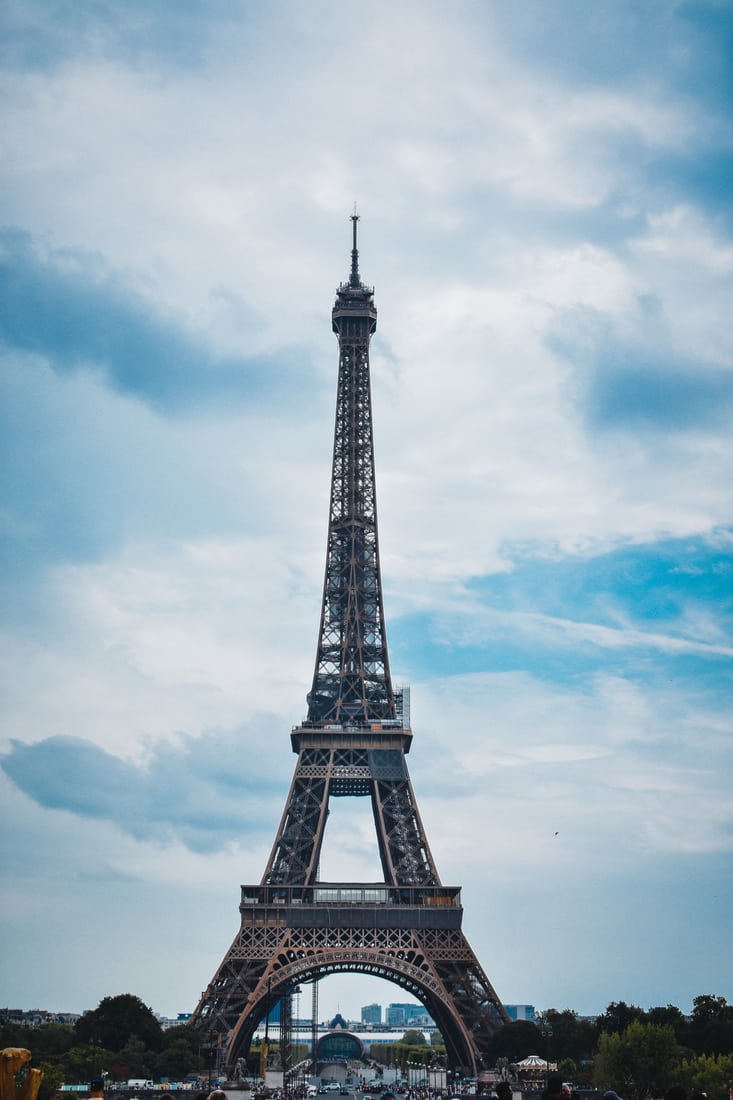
<point x="354" y="281"/>
<point x="351" y="683"/>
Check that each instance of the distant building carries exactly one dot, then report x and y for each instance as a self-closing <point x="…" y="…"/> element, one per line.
<point x="166" y="1022"/>
<point x="371" y="1014"/>
<point x="339" y="1046"/>
<point x="408" y="1015"/>
<point x="521" y="1012"/>
<point x="36" y="1017"/>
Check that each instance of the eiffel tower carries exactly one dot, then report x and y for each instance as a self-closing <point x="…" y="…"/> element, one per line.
<point x="295" y="928"/>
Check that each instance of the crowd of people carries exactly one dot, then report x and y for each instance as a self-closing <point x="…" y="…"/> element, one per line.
<point x="555" y="1090"/>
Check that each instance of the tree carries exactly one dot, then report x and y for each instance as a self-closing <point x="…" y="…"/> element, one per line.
<point x="618" y="1016"/>
<point x="53" y="1079"/>
<point x="708" y="1073"/>
<point x="180" y="1053"/>
<point x="117" y="1019"/>
<point x="13" y="1035"/>
<point x="49" y="1042"/>
<point x="669" y="1016"/>
<point x="413" y="1038"/>
<point x="571" y="1038"/>
<point x="52" y="1040"/>
<point x="710" y="1030"/>
<point x="708" y="1008"/>
<point x="137" y="1059"/>
<point x="641" y="1061"/>
<point x="515" y="1041"/>
<point x="84" y="1061"/>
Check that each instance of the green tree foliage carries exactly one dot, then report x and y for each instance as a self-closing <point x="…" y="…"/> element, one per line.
<point x="180" y="1053"/>
<point x="516" y="1040"/>
<point x="117" y="1019"/>
<point x="48" y="1043"/>
<point x="571" y="1037"/>
<point x="136" y="1059"/>
<point x="400" y="1053"/>
<point x="83" y="1061"/>
<point x="669" y="1015"/>
<point x="708" y="1073"/>
<point x="634" y="1050"/>
<point x="11" y="1035"/>
<point x="53" y="1079"/>
<point x="640" y="1062"/>
<point x="567" y="1069"/>
<point x="617" y="1017"/>
<point x="710" y="1030"/>
<point x="414" y="1038"/>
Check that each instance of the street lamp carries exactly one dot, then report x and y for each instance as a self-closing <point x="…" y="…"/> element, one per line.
<point x="546" y="1033"/>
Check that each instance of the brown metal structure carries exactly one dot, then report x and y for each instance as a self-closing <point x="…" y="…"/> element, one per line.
<point x="354" y="742"/>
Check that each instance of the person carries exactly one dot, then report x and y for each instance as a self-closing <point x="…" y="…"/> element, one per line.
<point x="96" y="1087"/>
<point x="504" y="1091"/>
<point x="611" y="1095"/>
<point x="554" y="1089"/>
<point x="218" y="1094"/>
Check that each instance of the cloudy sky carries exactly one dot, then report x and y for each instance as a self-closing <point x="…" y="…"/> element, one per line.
<point x="545" y="200"/>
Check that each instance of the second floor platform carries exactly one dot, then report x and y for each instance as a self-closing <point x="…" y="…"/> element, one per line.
<point x="366" y="905"/>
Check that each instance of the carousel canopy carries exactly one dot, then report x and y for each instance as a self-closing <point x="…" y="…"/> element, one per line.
<point x="533" y="1061"/>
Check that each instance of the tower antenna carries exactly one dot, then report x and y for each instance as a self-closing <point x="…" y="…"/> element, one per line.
<point x="354" y="281"/>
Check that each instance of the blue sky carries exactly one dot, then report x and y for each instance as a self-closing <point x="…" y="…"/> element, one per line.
<point x="545" y="194"/>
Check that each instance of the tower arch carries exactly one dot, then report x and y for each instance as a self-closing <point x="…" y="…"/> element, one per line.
<point x="400" y="971"/>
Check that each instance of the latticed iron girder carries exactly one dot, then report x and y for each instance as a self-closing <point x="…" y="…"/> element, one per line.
<point x="298" y="843"/>
<point x="352" y="766"/>
<point x="435" y="965"/>
<point x="352" y="680"/>
<point x="408" y="855"/>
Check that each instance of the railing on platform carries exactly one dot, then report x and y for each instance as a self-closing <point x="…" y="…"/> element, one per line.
<point x="350" y="894"/>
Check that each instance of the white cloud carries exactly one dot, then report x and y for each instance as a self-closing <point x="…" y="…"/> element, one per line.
<point x="521" y="222"/>
<point x="184" y="638"/>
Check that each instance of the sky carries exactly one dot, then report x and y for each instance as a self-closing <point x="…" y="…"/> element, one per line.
<point x="545" y="202"/>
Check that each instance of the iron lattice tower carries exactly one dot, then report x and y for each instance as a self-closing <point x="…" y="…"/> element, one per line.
<point x="294" y="928"/>
<point x="351" y="682"/>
